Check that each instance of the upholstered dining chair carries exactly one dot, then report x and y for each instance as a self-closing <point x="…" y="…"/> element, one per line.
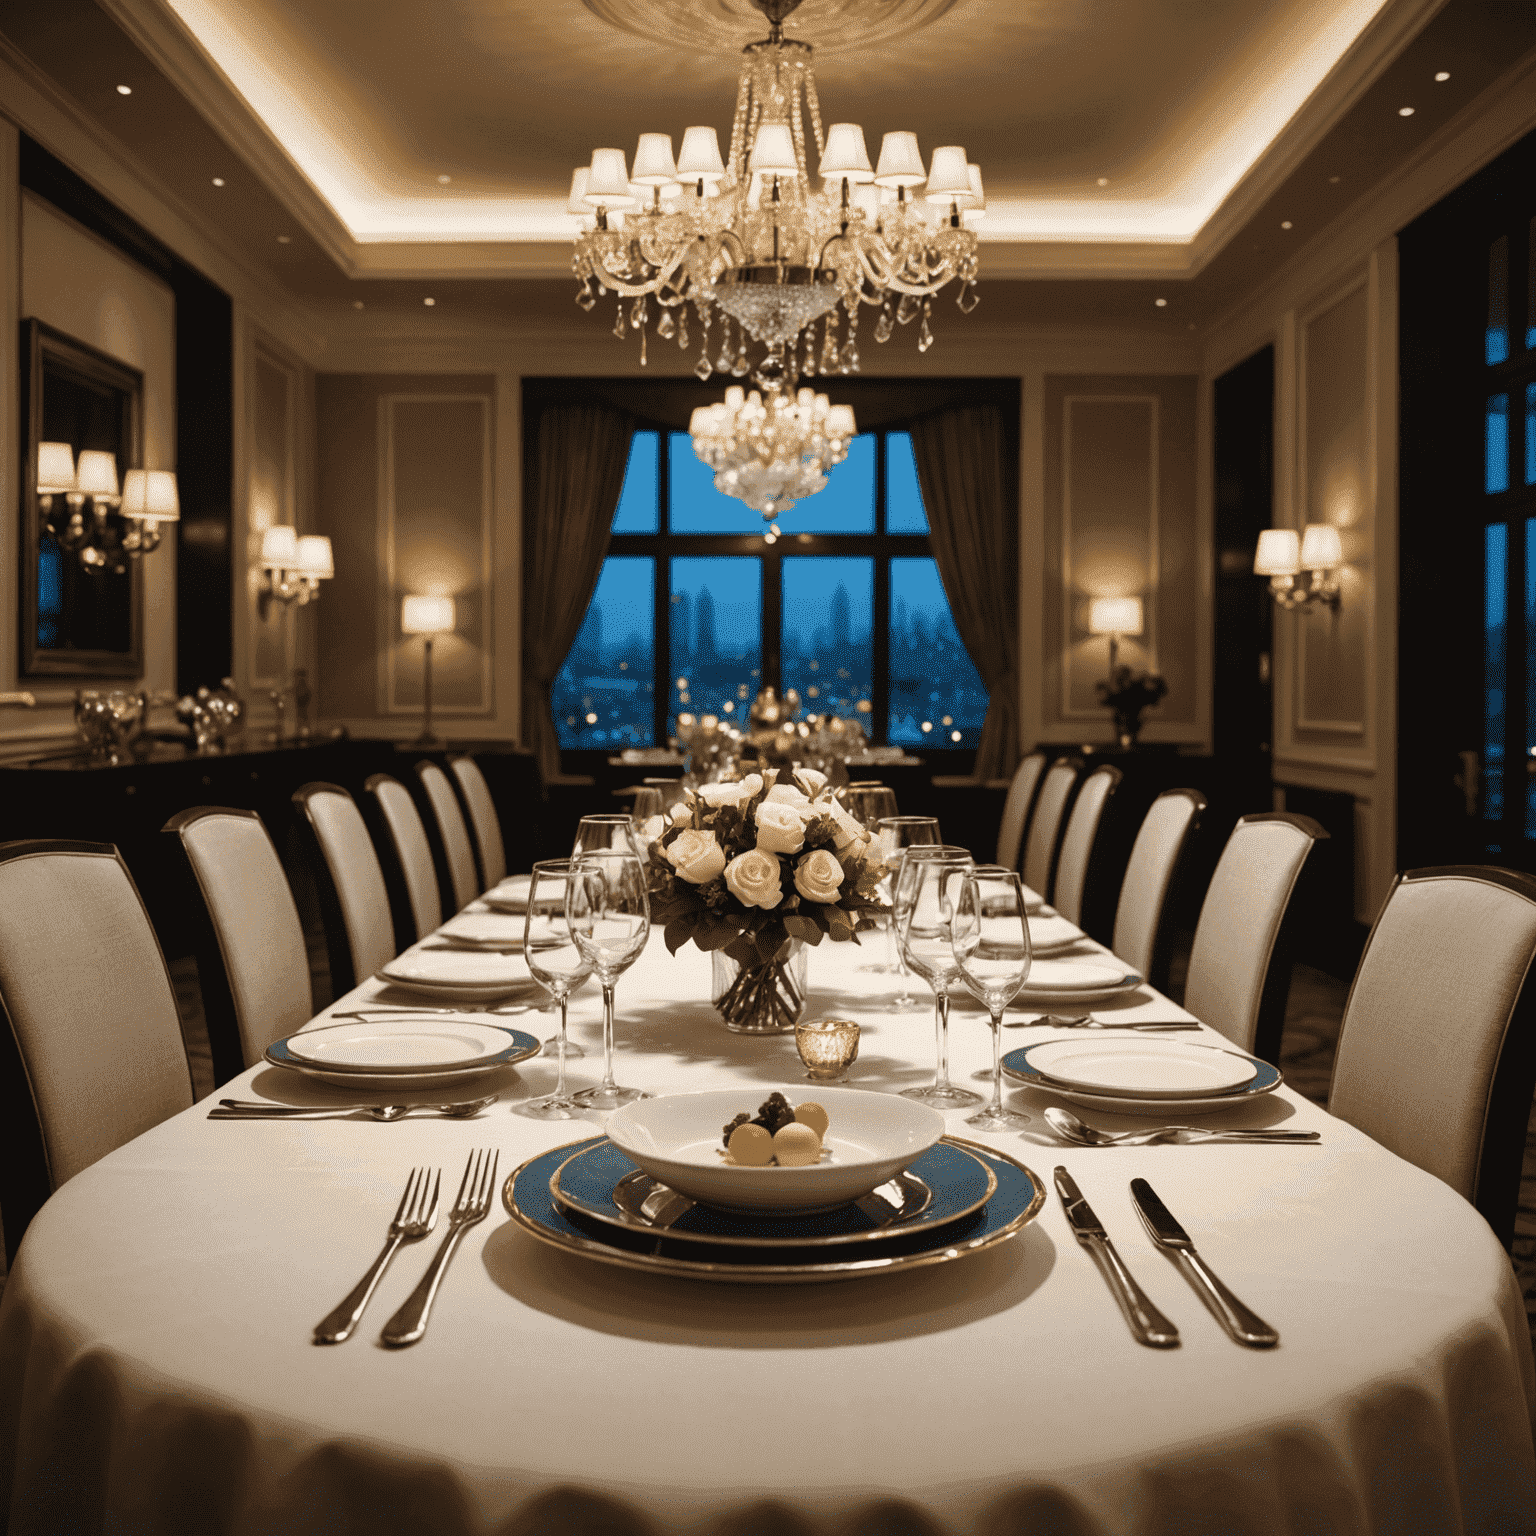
<point x="1142" y="936"/>
<point x="1437" y="1055"/>
<point x="252" y="964"/>
<point x="1044" y="835"/>
<point x="1016" y="808"/>
<point x="354" y="903"/>
<point x="91" y="1053"/>
<point x="483" y="820"/>
<point x="417" y="901"/>
<point x="1240" y="962"/>
<point x="1074" y="864"/>
<point x="462" y="873"/>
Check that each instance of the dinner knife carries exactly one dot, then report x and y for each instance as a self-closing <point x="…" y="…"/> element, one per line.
<point x="1245" y="1326"/>
<point x="1148" y="1325"/>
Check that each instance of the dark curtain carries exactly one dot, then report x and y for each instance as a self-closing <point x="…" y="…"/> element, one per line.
<point x="579" y="464"/>
<point x="974" y="530"/>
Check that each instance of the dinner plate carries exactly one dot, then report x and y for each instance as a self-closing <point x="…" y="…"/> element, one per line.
<point x="511" y="895"/>
<point x="1016" y="1201"/>
<point x="482" y="930"/>
<point x="515" y="1045"/>
<point x="1053" y="935"/>
<point x="430" y="1043"/>
<point x="1141" y="1068"/>
<point x="457" y="974"/>
<point x="1076" y="981"/>
<point x="1265" y="1080"/>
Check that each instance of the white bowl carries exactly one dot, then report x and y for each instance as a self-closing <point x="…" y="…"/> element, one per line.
<point x="677" y="1139"/>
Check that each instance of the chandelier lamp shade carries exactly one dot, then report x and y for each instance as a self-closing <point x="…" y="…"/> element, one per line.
<point x="122" y="523"/>
<point x="750" y="241"/>
<point x="1283" y="555"/>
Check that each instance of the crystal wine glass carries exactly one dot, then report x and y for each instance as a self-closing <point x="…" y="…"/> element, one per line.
<point x="594" y="834"/>
<point x="895" y="834"/>
<point x="556" y="963"/>
<point x="610" y="918"/>
<point x="927" y="887"/>
<point x="990" y="937"/>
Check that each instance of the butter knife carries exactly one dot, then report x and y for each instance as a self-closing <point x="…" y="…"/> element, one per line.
<point x="1147" y="1324"/>
<point x="1245" y="1326"/>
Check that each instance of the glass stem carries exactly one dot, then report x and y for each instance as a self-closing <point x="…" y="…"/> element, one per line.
<point x="608" y="1081"/>
<point x="996" y="1106"/>
<point x="560" y="1078"/>
<point x="941" y="1036"/>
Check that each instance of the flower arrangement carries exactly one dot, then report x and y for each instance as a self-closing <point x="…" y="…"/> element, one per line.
<point x="1127" y="694"/>
<point x="745" y="868"/>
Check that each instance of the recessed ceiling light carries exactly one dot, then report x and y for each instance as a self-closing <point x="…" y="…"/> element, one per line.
<point x="125" y="90"/>
<point x="1285" y="223"/>
<point x="1333" y="181"/>
<point x="1192" y="325"/>
<point x="1161" y="303"/>
<point x="443" y="181"/>
<point x="285" y="239"/>
<point x="1405" y="111"/>
<point x="1103" y="181"/>
<point x="1442" y="75"/>
<point x="357" y="303"/>
<point x="218" y="181"/>
<point x="429" y="302"/>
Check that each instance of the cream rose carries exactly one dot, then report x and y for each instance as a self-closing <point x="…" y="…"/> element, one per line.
<point x="787" y="794"/>
<point x="753" y="879"/>
<point x="653" y="827"/>
<point x="780" y="828"/>
<point x="731" y="794"/>
<point x="682" y="814"/>
<point x="849" y="829"/>
<point x="818" y="876"/>
<point x="696" y="856"/>
<point x="811" y="781"/>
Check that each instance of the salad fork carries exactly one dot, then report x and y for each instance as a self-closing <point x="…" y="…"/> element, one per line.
<point x="413" y="1221"/>
<point x="1070" y="1128"/>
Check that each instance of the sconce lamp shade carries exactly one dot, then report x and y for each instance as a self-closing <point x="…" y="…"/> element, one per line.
<point x="151" y="494"/>
<point x="949" y="177"/>
<point x="1278" y="554"/>
<point x="315" y="558"/>
<point x="1320" y="547"/>
<point x="847" y="157"/>
<point x="699" y="158"/>
<point x="426" y="615"/>
<point x="577" y="202"/>
<point x="55" y="468"/>
<point x="901" y="162"/>
<point x="280" y="548"/>
<point x="96" y="473"/>
<point x="773" y="153"/>
<point x="1114" y="616"/>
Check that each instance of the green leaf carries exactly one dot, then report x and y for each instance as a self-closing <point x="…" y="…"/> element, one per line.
<point x="742" y="950"/>
<point x="769" y="940"/>
<point x="802" y="928"/>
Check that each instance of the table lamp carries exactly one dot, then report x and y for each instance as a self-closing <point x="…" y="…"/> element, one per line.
<point x="426" y="616"/>
<point x="1114" y="616"/>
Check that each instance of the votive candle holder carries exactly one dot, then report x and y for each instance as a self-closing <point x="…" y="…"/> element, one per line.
<point x="828" y="1047"/>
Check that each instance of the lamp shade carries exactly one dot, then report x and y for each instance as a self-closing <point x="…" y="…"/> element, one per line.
<point x="1320" y="547"/>
<point x="1114" y="616"/>
<point x="315" y="558"/>
<point x="577" y="202"/>
<point x="840" y="421"/>
<point x="608" y="180"/>
<point x="846" y="157"/>
<point x="901" y="162"/>
<point x="280" y="548"/>
<point x="426" y="615"/>
<point x="699" y="158"/>
<point x="1278" y="554"/>
<point x="773" y="152"/>
<point x="55" y="468"/>
<point x="151" y="494"/>
<point x="949" y="175"/>
<point x="868" y="198"/>
<point x="654" y="166"/>
<point x="978" y="193"/>
<point x="96" y="473"/>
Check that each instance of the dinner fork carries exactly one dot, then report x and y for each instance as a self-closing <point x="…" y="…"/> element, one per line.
<point x="412" y="1222"/>
<point x="470" y="1205"/>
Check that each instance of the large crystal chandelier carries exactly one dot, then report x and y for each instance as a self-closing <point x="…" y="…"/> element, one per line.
<point x="772" y="453"/>
<point x="751" y="238"/>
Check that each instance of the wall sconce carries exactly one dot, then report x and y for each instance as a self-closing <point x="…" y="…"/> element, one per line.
<point x="295" y="565"/>
<point x="1283" y="556"/>
<point x="123" y="525"/>
<point x="426" y="616"/>
<point x="149" y="499"/>
<point x="1114" y="616"/>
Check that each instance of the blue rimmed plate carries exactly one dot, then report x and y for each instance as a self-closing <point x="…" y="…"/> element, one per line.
<point x="528" y="1199"/>
<point x="403" y="1051"/>
<point x="1265" y="1080"/>
<point x="945" y="1184"/>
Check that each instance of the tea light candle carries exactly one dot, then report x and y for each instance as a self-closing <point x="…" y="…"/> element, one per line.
<point x="828" y="1047"/>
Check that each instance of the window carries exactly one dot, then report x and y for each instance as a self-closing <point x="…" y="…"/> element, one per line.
<point x="696" y="609"/>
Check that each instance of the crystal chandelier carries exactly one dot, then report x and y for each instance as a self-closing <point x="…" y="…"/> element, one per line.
<point x="772" y="453"/>
<point x="751" y="238"/>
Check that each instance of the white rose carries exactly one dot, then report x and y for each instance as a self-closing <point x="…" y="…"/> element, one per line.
<point x="810" y="781"/>
<point x="753" y="879"/>
<point x="682" y="814"/>
<point x="849" y="828"/>
<point x="818" y="876"/>
<point x="731" y="794"/>
<point x="787" y="794"/>
<point x="696" y="856"/>
<point x="653" y="827"/>
<point x="780" y="828"/>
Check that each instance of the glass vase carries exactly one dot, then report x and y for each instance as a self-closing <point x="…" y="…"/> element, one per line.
<point x="762" y="999"/>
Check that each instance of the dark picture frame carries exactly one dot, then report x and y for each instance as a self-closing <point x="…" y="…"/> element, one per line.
<point x="93" y="622"/>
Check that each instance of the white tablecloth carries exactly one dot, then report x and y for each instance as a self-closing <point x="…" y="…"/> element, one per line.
<point x="157" y="1374"/>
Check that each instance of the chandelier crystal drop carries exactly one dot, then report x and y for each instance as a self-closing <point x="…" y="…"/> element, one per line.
<point x="750" y="235"/>
<point x="772" y="453"/>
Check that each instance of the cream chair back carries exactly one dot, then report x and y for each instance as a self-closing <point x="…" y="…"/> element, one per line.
<point x="353" y="900"/>
<point x="1016" y="808"/>
<point x="1045" y="825"/>
<point x="455" y="835"/>
<point x="1437" y="1056"/>
<point x="91" y="1053"/>
<point x="1140" y="935"/>
<point x="254" y="968"/>
<point x="408" y="837"/>
<point x="1075" y="861"/>
<point x="1239" y="965"/>
<point x="483" y="819"/>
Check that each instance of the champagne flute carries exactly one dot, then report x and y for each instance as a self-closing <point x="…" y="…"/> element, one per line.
<point x="609" y="914"/>
<point x="990" y="938"/>
<point x="557" y="964"/>
<point x="895" y="835"/>
<point x="927" y="887"/>
<point x="615" y="830"/>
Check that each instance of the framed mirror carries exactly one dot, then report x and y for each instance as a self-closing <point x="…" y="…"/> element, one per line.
<point x="76" y="621"/>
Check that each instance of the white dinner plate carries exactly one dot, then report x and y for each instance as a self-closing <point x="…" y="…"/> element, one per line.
<point x="1265" y="1080"/>
<point x="1052" y="935"/>
<point x="1076" y="981"/>
<point x="511" y="895"/>
<point x="424" y="1044"/>
<point x="482" y="930"/>
<point x="458" y="975"/>
<point x="1140" y="1068"/>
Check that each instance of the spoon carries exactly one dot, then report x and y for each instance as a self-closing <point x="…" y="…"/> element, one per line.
<point x="1070" y="1128"/>
<point x="250" y="1109"/>
<point x="1087" y="1021"/>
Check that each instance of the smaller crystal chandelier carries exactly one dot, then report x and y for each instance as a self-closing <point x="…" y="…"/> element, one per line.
<point x="772" y="453"/>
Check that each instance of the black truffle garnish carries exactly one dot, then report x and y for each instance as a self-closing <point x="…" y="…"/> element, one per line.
<point x="774" y="1113"/>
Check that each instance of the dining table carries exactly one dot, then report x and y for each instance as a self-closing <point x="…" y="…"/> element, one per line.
<point x="158" y="1371"/>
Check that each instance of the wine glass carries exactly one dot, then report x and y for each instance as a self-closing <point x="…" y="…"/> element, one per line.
<point x="870" y="801"/>
<point x="557" y="964"/>
<point x="927" y="887"/>
<point x="594" y="834"/>
<point x="990" y="937"/>
<point x="647" y="804"/>
<point x="610" y="919"/>
<point x="895" y="834"/>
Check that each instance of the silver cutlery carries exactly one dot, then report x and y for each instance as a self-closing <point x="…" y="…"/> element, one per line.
<point x="427" y="1012"/>
<point x="1087" y="1021"/>
<point x="1147" y="1324"/>
<point x="471" y="1205"/>
<point x="1079" y="1132"/>
<point x="1244" y="1325"/>
<point x="413" y="1221"/>
<point x="254" y="1109"/>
